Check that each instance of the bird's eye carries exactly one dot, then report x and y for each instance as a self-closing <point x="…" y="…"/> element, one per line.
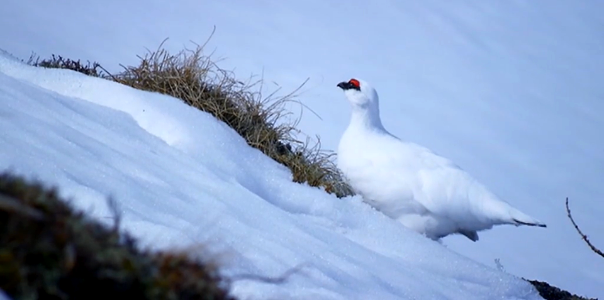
<point x="355" y="83"/>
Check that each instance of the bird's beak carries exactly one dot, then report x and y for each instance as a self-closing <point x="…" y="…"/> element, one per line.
<point x="343" y="85"/>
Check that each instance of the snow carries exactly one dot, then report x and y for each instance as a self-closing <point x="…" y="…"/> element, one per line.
<point x="195" y="183"/>
<point x="509" y="90"/>
<point x="425" y="192"/>
<point x="3" y="296"/>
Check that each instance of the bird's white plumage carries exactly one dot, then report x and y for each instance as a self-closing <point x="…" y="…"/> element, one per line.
<point x="410" y="183"/>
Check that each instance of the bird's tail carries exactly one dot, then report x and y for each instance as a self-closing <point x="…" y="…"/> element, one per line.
<point x="519" y="218"/>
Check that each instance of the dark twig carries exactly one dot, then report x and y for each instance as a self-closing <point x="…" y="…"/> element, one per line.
<point x="593" y="248"/>
<point x="115" y="211"/>
<point x="270" y="280"/>
<point x="107" y="72"/>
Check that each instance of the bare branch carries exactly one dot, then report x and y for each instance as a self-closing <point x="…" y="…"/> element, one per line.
<point x="593" y="248"/>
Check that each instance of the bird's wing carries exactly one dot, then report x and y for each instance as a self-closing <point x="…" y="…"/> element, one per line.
<point x="442" y="187"/>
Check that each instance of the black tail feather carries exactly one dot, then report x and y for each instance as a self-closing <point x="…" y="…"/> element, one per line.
<point x="529" y="224"/>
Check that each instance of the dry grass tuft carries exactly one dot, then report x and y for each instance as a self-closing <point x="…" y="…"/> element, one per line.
<point x="58" y="62"/>
<point x="194" y="78"/>
<point x="262" y="121"/>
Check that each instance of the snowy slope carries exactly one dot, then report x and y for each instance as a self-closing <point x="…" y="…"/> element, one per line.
<point x="184" y="179"/>
<point x="509" y="90"/>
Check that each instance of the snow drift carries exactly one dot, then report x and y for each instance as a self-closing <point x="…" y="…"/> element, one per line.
<point x="184" y="179"/>
<point x="510" y="91"/>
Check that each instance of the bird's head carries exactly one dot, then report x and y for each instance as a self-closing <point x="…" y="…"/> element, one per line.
<point x="359" y="93"/>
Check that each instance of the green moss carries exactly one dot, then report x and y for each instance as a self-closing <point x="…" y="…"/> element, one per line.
<point x="50" y="251"/>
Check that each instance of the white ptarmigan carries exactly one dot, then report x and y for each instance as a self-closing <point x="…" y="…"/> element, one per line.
<point x="410" y="183"/>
